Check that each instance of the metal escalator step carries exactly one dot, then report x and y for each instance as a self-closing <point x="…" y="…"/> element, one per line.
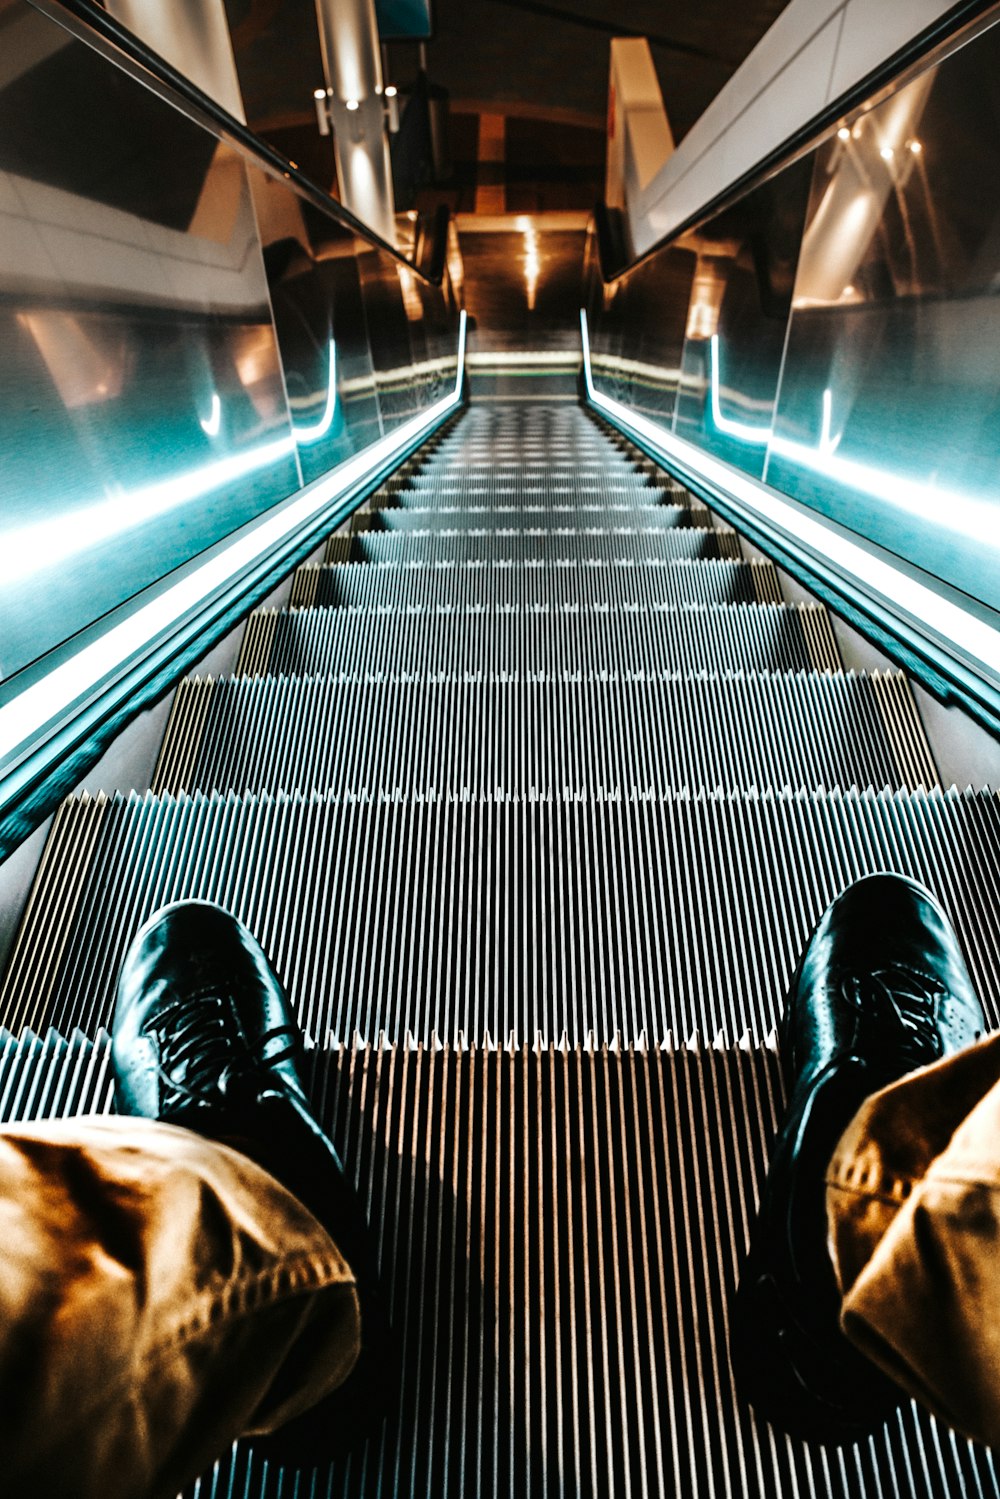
<point x="526" y="423"/>
<point x="518" y="740"/>
<point x="494" y="472"/>
<point x="54" y="1076"/>
<point x="491" y="471"/>
<point x="642" y="641"/>
<point x="591" y="451"/>
<point x="560" y="1231"/>
<point x="549" y="452"/>
<point x="571" y="439"/>
<point x="528" y="488"/>
<point x="580" y="473"/>
<point x="659" y="545"/>
<point x="497" y="585"/>
<point x="499" y="518"/>
<point x="525" y="490"/>
<point x="476" y="918"/>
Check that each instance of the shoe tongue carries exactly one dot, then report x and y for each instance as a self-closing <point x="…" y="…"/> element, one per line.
<point x="901" y="1003"/>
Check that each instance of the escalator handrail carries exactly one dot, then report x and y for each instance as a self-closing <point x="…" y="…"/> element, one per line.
<point x="961" y="16"/>
<point x="92" y="18"/>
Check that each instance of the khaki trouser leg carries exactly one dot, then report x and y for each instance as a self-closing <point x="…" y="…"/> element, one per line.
<point x="160" y="1295"/>
<point x="913" y="1203"/>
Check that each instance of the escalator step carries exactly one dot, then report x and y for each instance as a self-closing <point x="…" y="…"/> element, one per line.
<point x="516" y="461"/>
<point x="496" y="585"/>
<point x="764" y="637"/>
<point x="494" y="470"/>
<point x="661" y="544"/>
<point x="54" y="1076"/>
<point x="559" y="1235"/>
<point x="590" y="454"/>
<point x="514" y="740"/>
<point x="610" y="918"/>
<point x="526" y="490"/>
<point x="498" y="518"/>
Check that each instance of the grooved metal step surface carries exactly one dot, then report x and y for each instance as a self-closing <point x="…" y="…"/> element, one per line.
<point x="477" y="492"/>
<point x="492" y="488"/>
<point x="468" y="458"/>
<point x="670" y="544"/>
<point x="559" y="1231"/>
<point x="493" y="520"/>
<point x="512" y="741"/>
<point x="579" y="497"/>
<point x="635" y="642"/>
<point x="497" y="585"/>
<point x="603" y="918"/>
<point x="499" y="462"/>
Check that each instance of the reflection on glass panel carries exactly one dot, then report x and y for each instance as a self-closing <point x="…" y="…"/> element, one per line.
<point x="411" y="327"/>
<point x="745" y="260"/>
<point x="312" y="274"/>
<point x="889" y="413"/>
<point x="142" y="411"/>
<point x="187" y="338"/>
<point x="392" y="304"/>
<point x="643" y="318"/>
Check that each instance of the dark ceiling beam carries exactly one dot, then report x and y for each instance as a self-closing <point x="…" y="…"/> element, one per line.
<point x="594" y="23"/>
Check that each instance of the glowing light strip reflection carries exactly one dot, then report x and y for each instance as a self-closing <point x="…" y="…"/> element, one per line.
<point x="210" y="425"/>
<point x="306" y="435"/>
<point x="907" y="595"/>
<point x="46" y="700"/>
<point x="742" y="431"/>
<point x="970" y="514"/>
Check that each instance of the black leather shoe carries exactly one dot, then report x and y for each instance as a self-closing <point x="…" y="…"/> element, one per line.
<point x="203" y="1037"/>
<point x="881" y="989"/>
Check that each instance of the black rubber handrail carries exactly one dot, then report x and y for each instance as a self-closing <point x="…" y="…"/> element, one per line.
<point x="98" y="21"/>
<point x="948" y="25"/>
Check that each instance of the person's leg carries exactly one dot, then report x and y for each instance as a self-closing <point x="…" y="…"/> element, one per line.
<point x="881" y="990"/>
<point x="204" y="1037"/>
<point x="913" y="1201"/>
<point x="195" y="1273"/>
<point x="160" y="1295"/>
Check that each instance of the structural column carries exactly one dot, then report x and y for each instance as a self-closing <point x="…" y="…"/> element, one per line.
<point x="352" y="60"/>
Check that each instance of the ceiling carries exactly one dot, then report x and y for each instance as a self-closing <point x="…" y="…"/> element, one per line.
<point x="528" y="57"/>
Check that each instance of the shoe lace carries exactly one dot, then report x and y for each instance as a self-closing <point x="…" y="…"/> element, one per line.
<point x="202" y="1048"/>
<point x="902" y="1000"/>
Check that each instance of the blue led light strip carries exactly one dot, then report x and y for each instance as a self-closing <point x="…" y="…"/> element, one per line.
<point x="43" y="706"/>
<point x="890" y="589"/>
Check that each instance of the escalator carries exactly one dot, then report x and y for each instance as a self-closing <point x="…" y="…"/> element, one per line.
<point x="533" y="793"/>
